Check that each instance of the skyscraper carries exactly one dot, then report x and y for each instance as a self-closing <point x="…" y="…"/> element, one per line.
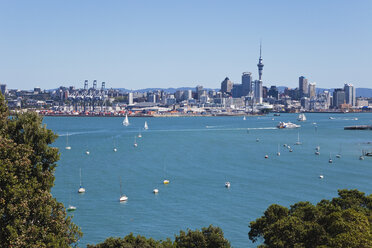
<point x="312" y="90"/>
<point x="258" y="91"/>
<point x="247" y="83"/>
<point x="303" y="86"/>
<point x="338" y="97"/>
<point x="350" y="94"/>
<point x="226" y="85"/>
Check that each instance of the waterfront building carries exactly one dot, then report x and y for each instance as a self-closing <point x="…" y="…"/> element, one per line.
<point x="338" y="98"/>
<point x="303" y="86"/>
<point x="199" y="91"/>
<point x="187" y="94"/>
<point x="246" y="83"/>
<point x="350" y="97"/>
<point x="226" y="86"/>
<point x="312" y="90"/>
<point x="179" y="95"/>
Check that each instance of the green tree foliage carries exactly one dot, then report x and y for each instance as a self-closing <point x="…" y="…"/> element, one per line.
<point x="344" y="221"/>
<point x="30" y="216"/>
<point x="210" y="237"/>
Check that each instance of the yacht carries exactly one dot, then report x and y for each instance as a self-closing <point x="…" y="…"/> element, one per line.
<point x="126" y="121"/>
<point x="123" y="197"/>
<point x="282" y="125"/>
<point x="67" y="146"/>
<point x="301" y="117"/>
<point x="81" y="188"/>
<point x="298" y="139"/>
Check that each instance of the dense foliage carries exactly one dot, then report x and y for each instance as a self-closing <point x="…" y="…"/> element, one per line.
<point x="210" y="237"/>
<point x="30" y="216"/>
<point x="345" y="221"/>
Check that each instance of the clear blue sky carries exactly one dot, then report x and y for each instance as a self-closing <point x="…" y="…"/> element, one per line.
<point x="140" y="44"/>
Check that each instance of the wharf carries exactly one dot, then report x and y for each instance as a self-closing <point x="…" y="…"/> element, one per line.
<point x="361" y="127"/>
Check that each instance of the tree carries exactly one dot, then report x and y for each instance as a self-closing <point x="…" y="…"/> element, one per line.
<point x="344" y="221"/>
<point x="30" y="216"/>
<point x="210" y="237"/>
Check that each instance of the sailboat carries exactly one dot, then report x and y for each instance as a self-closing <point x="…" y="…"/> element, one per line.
<point x="244" y="118"/>
<point x="81" y="188"/>
<point x="146" y="126"/>
<point x="67" y="146"/>
<point x="135" y="142"/>
<point x="339" y="154"/>
<point x="123" y="197"/>
<point x="301" y="117"/>
<point x="165" y="181"/>
<point x="126" y="121"/>
<point x="278" y="153"/>
<point x="330" y="159"/>
<point x="115" y="149"/>
<point x="140" y="135"/>
<point x="298" y="139"/>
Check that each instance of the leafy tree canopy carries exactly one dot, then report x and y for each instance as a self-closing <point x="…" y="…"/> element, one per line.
<point x="210" y="237"/>
<point x="345" y="221"/>
<point x="30" y="216"/>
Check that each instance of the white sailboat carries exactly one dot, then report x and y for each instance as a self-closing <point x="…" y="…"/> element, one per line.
<point x="330" y="159"/>
<point x="123" y="197"/>
<point x="115" y="149"/>
<point x="140" y="135"/>
<point x="244" y="118"/>
<point x="146" y="126"/>
<point x="126" y="121"/>
<point x="81" y="188"/>
<point x="135" y="142"/>
<point x="298" y="139"/>
<point x="339" y="153"/>
<point x="278" y="153"/>
<point x="165" y="181"/>
<point x="301" y="117"/>
<point x="67" y="146"/>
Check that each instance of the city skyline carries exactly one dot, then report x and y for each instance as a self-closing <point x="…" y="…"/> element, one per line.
<point x="165" y="44"/>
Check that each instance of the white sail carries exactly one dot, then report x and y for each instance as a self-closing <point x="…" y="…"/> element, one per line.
<point x="146" y="127"/>
<point x="126" y="121"/>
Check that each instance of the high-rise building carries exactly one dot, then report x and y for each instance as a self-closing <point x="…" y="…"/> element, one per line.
<point x="226" y="85"/>
<point x="258" y="91"/>
<point x="130" y="98"/>
<point x="247" y="83"/>
<point x="312" y="90"/>
<point x="338" y="97"/>
<point x="237" y="90"/>
<point x="273" y="92"/>
<point x="199" y="91"/>
<point x="350" y="94"/>
<point x="303" y="86"/>
<point x="3" y="88"/>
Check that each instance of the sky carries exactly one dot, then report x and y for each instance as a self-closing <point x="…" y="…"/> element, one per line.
<point x="167" y="43"/>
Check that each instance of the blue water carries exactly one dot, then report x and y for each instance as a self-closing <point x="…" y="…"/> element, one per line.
<point x="197" y="155"/>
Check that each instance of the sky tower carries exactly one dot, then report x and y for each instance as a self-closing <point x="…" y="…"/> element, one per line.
<point x="260" y="66"/>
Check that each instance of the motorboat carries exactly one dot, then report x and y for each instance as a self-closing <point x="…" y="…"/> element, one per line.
<point x="166" y="181"/>
<point x="266" y="156"/>
<point x="282" y="125"/>
<point x="321" y="176"/>
<point x="155" y="191"/>
<point x="227" y="184"/>
<point x="71" y="208"/>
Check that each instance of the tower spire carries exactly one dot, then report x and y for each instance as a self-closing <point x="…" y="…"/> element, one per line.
<point x="260" y="65"/>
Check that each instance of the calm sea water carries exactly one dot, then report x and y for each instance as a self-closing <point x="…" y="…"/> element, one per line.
<point x="197" y="155"/>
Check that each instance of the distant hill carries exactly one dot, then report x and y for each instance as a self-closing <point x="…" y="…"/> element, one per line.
<point x="168" y="90"/>
<point x="360" y="92"/>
